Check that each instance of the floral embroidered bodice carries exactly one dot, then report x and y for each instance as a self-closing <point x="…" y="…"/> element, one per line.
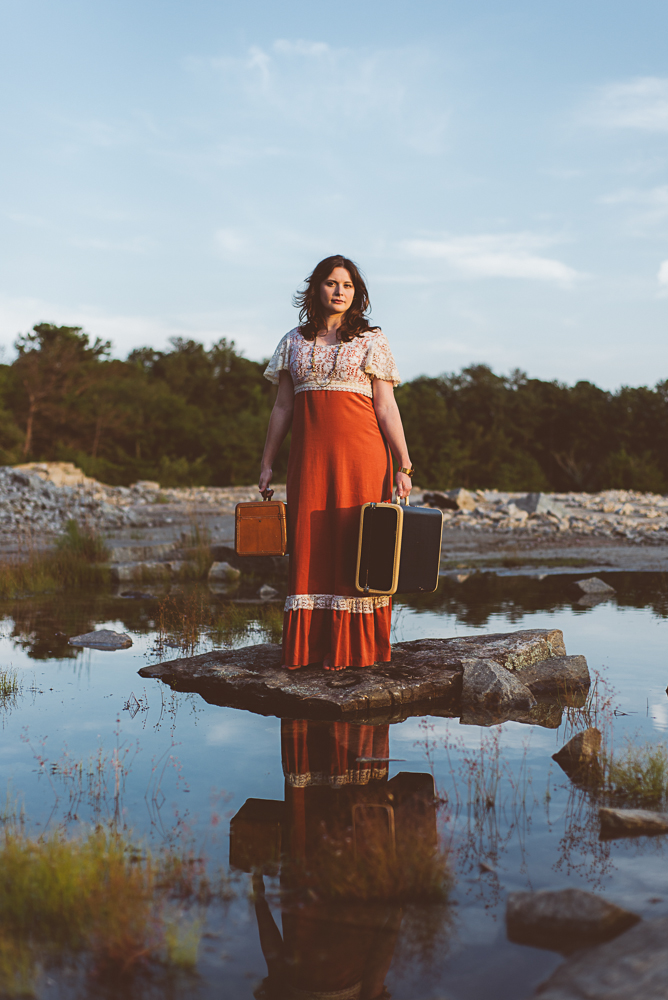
<point x="343" y="367"/>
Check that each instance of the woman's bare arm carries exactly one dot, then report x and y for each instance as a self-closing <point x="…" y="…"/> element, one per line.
<point x="389" y="419"/>
<point x="279" y="425"/>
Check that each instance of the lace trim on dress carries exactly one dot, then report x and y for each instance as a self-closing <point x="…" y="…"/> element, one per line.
<point x="333" y="602"/>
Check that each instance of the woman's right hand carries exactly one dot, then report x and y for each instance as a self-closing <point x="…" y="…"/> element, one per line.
<point x="265" y="479"/>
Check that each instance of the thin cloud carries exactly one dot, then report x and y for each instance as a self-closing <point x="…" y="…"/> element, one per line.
<point x="663" y="273"/>
<point x="647" y="208"/>
<point x="292" y="81"/>
<point x="640" y="104"/>
<point x="510" y="255"/>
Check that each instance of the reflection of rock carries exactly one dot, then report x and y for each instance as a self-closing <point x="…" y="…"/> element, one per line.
<point x="564" y="921"/>
<point x="222" y="572"/>
<point x="632" y="967"/>
<point x="104" y="638"/>
<point x="631" y="823"/>
<point x="594" y="586"/>
<point x="489" y="685"/>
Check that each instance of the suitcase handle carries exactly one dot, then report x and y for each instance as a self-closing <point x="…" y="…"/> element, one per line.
<point x="267" y="494"/>
<point x="398" y="500"/>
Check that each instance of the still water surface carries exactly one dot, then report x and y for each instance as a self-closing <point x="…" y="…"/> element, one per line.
<point x="187" y="767"/>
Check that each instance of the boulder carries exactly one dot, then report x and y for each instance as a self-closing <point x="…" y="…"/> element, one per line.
<point x="631" y="823"/>
<point x="540" y="503"/>
<point x="594" y="587"/>
<point x="562" y="675"/>
<point x="458" y="499"/>
<point x="564" y="921"/>
<point x="632" y="967"/>
<point x="222" y="572"/>
<point x="267" y="593"/>
<point x="104" y="638"/>
<point x="486" y="683"/>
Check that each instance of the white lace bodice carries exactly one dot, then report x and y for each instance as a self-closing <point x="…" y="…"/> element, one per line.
<point x="344" y="367"/>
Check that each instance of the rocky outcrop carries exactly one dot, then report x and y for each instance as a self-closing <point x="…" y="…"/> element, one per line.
<point x="631" y="823"/>
<point x="427" y="672"/>
<point x="632" y="967"/>
<point x="564" y="921"/>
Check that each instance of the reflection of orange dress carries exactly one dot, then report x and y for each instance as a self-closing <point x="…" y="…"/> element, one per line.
<point x="339" y="460"/>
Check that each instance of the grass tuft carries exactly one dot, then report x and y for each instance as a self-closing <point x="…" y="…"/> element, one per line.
<point x="98" y="896"/>
<point x="75" y="563"/>
<point x="638" y="776"/>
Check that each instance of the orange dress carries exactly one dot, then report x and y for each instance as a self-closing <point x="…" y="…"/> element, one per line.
<point x="338" y="461"/>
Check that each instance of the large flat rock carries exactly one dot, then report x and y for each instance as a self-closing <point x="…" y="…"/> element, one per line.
<point x="632" y="967"/>
<point x="425" y="675"/>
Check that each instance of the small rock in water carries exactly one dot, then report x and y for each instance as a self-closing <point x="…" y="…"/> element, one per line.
<point x="582" y="749"/>
<point x="579" y="757"/>
<point x="594" y="586"/>
<point x="631" y="823"/>
<point x="266" y="592"/>
<point x="564" y="921"/>
<point x="104" y="638"/>
<point x="222" y="572"/>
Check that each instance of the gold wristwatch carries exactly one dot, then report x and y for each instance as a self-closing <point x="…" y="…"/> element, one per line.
<point x="408" y="472"/>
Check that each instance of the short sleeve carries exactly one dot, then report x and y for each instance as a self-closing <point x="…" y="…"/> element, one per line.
<point x="380" y="361"/>
<point x="280" y="360"/>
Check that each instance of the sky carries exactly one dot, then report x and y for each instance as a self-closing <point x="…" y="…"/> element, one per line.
<point x="498" y="171"/>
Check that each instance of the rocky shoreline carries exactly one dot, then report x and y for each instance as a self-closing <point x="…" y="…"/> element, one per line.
<point x="38" y="499"/>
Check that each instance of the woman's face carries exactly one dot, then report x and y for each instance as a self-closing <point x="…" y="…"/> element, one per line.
<point x="337" y="291"/>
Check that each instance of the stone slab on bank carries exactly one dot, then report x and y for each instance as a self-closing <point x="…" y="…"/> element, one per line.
<point x="425" y="674"/>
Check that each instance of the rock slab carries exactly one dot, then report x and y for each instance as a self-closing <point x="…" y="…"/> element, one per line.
<point x="104" y="638"/>
<point x="631" y="823"/>
<point x="424" y="672"/>
<point x="564" y="921"/>
<point x="632" y="967"/>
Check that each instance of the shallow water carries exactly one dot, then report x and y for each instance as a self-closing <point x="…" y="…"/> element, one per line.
<point x="185" y="768"/>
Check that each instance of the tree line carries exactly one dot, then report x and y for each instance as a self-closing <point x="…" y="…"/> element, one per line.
<point x="195" y="416"/>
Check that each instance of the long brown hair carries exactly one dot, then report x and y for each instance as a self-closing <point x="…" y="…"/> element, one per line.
<point x="311" y="315"/>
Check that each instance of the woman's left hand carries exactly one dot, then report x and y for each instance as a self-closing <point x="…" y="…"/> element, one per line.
<point x="404" y="484"/>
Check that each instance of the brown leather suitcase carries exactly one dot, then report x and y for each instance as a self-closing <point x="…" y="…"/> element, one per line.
<point x="260" y="529"/>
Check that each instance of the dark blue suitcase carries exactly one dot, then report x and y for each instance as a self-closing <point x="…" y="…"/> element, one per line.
<point x="399" y="549"/>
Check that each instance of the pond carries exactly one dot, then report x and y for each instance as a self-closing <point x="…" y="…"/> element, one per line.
<point x="85" y="740"/>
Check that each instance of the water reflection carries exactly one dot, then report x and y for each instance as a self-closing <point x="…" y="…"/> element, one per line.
<point x="354" y="851"/>
<point x="476" y="597"/>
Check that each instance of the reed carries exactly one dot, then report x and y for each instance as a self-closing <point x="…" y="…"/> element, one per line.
<point x="75" y="563"/>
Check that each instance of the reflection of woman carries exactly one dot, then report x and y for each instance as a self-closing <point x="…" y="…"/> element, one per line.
<point x="329" y="949"/>
<point x="336" y="378"/>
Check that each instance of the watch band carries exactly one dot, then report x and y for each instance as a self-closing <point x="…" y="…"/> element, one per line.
<point x="408" y="472"/>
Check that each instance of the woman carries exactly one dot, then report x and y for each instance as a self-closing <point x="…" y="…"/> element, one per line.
<point x="336" y="376"/>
